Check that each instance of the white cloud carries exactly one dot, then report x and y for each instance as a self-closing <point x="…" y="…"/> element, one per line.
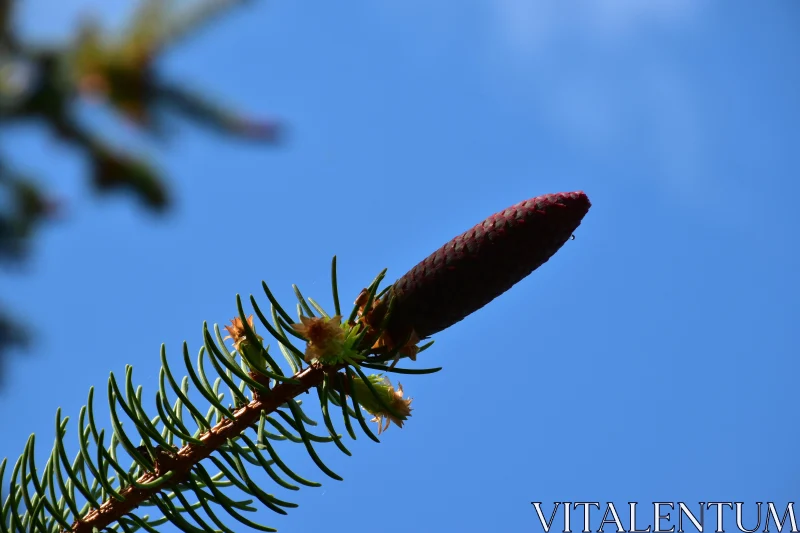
<point x="531" y="25"/>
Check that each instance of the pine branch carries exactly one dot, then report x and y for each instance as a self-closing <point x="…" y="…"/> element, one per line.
<point x="336" y="353"/>
<point x="180" y="464"/>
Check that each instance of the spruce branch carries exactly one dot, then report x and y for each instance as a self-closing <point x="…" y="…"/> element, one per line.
<point x="383" y="326"/>
<point x="178" y="464"/>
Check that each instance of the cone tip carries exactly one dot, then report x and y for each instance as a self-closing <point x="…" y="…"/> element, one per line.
<point x="574" y="198"/>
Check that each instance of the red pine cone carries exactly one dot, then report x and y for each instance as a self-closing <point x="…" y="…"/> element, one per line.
<point x="481" y="264"/>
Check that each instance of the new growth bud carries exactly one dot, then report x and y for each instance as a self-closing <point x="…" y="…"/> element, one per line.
<point x="237" y="332"/>
<point x="388" y="397"/>
<point x="328" y="341"/>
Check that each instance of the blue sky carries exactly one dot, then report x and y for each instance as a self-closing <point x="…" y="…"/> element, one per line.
<point x="653" y="358"/>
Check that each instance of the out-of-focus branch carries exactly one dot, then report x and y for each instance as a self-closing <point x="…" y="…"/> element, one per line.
<point x="11" y="335"/>
<point x="43" y="85"/>
<point x="6" y="34"/>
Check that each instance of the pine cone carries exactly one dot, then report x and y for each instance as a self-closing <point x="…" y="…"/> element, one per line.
<point x="481" y="264"/>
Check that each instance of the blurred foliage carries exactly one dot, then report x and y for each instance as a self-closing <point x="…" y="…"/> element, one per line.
<point x="45" y="84"/>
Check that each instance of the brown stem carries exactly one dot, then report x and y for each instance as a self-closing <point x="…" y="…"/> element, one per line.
<point x="184" y="459"/>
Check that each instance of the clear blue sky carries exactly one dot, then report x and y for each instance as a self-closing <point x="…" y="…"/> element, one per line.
<point x="653" y="358"/>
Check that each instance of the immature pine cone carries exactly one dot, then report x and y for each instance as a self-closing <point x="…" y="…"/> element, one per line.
<point x="481" y="264"/>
